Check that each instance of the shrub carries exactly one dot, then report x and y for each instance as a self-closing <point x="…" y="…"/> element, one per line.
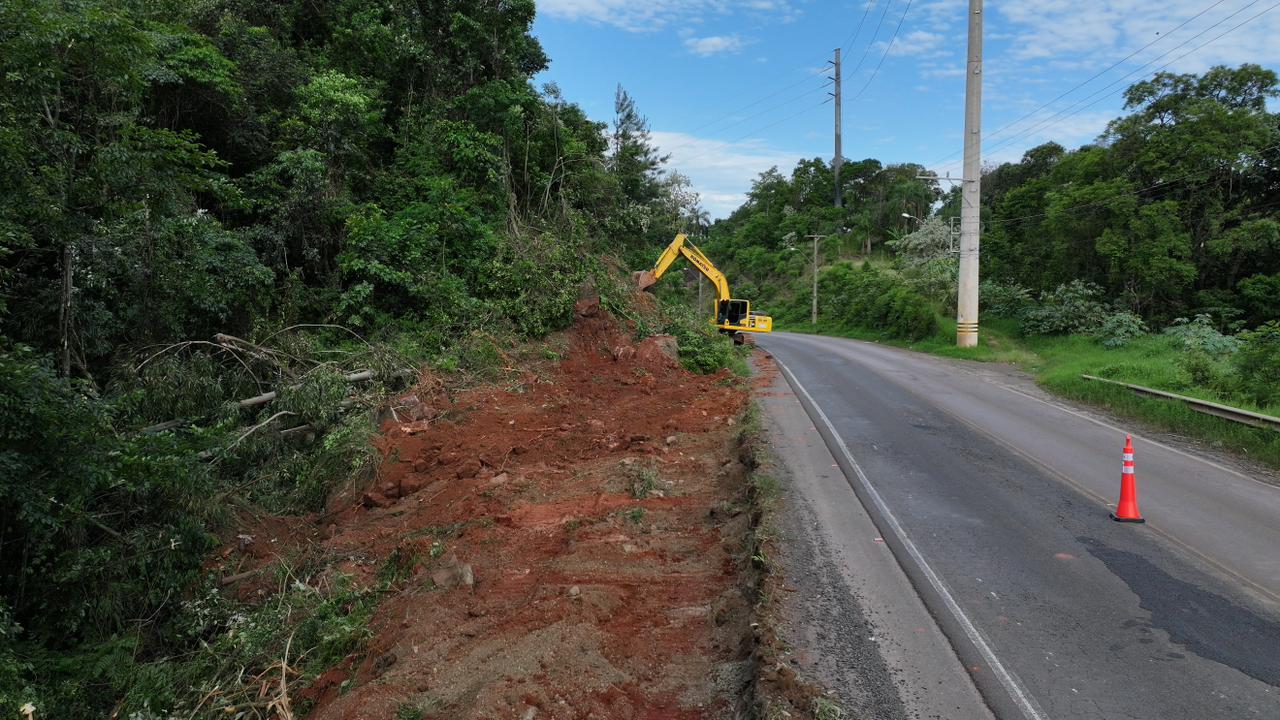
<point x="910" y="316"/>
<point x="1204" y="371"/>
<point x="1073" y="307"/>
<point x="875" y="300"/>
<point x="1007" y="300"/>
<point x="65" y="570"/>
<point x="1200" y="335"/>
<point x="1261" y="294"/>
<point x="1258" y="363"/>
<point x="1119" y="328"/>
<point x="14" y="690"/>
<point x="927" y="263"/>
<point x="702" y="348"/>
<point x="535" y="280"/>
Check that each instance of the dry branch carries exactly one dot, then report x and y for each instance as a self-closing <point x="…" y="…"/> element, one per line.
<point x="256" y="428"/>
<point x="267" y="397"/>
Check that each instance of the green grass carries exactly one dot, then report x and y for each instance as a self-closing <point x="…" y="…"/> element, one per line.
<point x="644" y="480"/>
<point x="1057" y="362"/>
<point x="827" y="709"/>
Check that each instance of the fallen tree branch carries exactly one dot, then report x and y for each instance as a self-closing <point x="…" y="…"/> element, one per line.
<point x="161" y="427"/>
<point x="281" y="702"/>
<point x="264" y="398"/>
<point x="229" y="579"/>
<point x="256" y="428"/>
<point x="188" y="343"/>
<point x="273" y="356"/>
<point x="318" y="326"/>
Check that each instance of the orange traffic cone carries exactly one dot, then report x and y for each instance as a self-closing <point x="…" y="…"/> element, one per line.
<point x="1127" y="510"/>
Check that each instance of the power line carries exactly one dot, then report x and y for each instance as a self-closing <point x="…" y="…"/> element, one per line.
<point x="887" y="48"/>
<point x="757" y="102"/>
<point x="1204" y="172"/>
<point x="1103" y="93"/>
<point x="853" y="37"/>
<point x="740" y="121"/>
<point x="1097" y="75"/>
<point x="719" y="145"/>
<point x="806" y="93"/>
<point x="857" y="31"/>
<point x="1076" y="107"/>
<point x="874" y="35"/>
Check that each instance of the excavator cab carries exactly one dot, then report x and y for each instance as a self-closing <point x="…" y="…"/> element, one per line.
<point x="732" y="312"/>
<point x="735" y="316"/>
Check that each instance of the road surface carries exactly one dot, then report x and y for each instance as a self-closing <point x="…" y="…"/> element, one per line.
<point x="995" y="498"/>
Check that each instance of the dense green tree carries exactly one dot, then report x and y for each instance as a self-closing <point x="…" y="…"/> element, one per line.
<point x="1170" y="212"/>
<point x="177" y="168"/>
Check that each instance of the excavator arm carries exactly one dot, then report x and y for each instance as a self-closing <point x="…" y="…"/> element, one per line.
<point x="732" y="316"/>
<point x="682" y="246"/>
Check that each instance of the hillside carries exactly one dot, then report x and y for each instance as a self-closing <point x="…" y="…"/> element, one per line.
<point x="229" y="232"/>
<point x="1151" y="256"/>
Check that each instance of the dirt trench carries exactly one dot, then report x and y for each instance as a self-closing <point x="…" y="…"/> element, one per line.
<point x="574" y="544"/>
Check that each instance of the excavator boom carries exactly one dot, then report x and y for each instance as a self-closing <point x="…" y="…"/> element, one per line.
<point x="732" y="315"/>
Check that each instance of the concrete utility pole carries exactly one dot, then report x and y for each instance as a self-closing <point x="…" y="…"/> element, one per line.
<point x="839" y="158"/>
<point x="813" y="318"/>
<point x="971" y="189"/>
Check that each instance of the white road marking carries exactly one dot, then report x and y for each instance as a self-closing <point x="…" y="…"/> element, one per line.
<point x="1157" y="528"/>
<point x="992" y="381"/>
<point x="1021" y="696"/>
<point x="1147" y="440"/>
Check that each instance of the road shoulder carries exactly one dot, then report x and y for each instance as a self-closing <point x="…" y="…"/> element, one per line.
<point x="852" y="618"/>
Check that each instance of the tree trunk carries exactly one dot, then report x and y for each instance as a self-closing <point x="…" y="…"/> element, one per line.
<point x="64" y="312"/>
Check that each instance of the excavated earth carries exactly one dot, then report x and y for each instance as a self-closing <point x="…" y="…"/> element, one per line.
<point x="573" y="543"/>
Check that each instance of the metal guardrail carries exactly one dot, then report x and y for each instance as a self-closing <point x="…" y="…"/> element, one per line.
<point x="1248" y="417"/>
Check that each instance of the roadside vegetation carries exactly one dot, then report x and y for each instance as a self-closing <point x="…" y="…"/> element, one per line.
<point x="231" y="229"/>
<point x="1150" y="257"/>
<point x="205" y="202"/>
<point x="780" y="692"/>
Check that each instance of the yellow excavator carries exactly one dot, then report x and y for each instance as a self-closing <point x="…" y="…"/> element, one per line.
<point x="733" y="316"/>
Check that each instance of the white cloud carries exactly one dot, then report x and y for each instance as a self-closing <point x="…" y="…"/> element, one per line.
<point x="1043" y="48"/>
<point x="649" y="15"/>
<point x="714" y="44"/>
<point x="941" y="15"/>
<point x="1104" y="31"/>
<point x="917" y="42"/>
<point x="943" y="72"/>
<point x="722" y="172"/>
<point x="1009" y="146"/>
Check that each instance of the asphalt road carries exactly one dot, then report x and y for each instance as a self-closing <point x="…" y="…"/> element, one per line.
<point x="850" y="617"/>
<point x="995" y="501"/>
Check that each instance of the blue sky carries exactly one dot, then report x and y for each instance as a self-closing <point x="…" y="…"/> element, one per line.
<point x="732" y="88"/>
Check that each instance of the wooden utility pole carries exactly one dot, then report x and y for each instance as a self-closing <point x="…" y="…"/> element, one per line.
<point x="813" y="318"/>
<point x="971" y="187"/>
<point x="839" y="158"/>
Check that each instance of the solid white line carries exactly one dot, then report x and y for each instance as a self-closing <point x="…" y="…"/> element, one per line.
<point x="940" y="360"/>
<point x="1144" y="439"/>
<point x="1019" y="694"/>
<point x="1220" y="566"/>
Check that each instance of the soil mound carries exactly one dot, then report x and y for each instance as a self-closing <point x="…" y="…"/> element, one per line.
<point x="572" y="539"/>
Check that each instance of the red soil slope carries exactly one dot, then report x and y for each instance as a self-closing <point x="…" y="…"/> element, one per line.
<point x="573" y="543"/>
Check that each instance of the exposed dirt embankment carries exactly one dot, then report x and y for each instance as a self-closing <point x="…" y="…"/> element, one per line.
<point x="572" y="544"/>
